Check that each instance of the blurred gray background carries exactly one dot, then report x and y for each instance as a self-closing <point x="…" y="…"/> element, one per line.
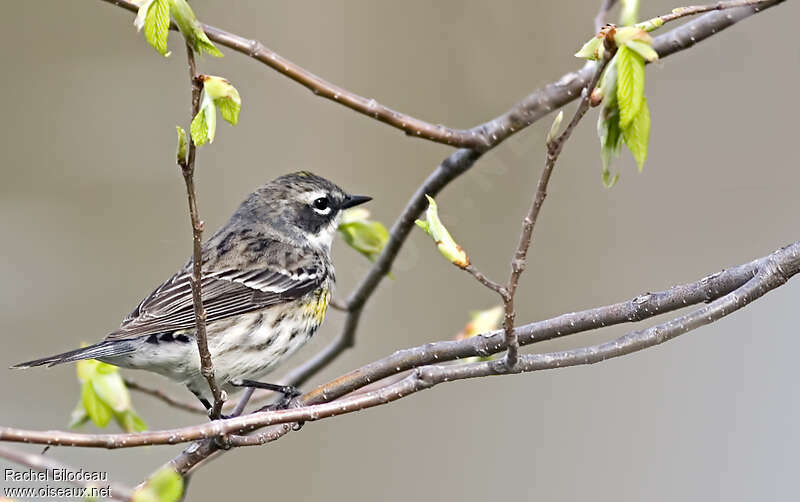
<point x="93" y="215"/>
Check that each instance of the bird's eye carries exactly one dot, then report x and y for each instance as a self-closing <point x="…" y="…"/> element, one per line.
<point x="321" y="204"/>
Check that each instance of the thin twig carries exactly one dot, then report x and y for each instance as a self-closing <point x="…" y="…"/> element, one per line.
<point x="335" y="304"/>
<point x="163" y="396"/>
<point x="519" y="260"/>
<point x="700" y="9"/>
<point x="477" y="274"/>
<point x="187" y="169"/>
<point x="48" y="464"/>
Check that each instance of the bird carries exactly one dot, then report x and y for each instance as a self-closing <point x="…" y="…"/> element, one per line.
<point x="267" y="277"/>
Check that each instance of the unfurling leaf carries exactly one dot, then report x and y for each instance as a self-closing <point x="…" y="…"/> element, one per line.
<point x="191" y="28"/>
<point x="180" y="152"/>
<point x="367" y="237"/>
<point x="651" y="24"/>
<point x="444" y="242"/>
<point x="104" y="395"/>
<point x="554" y="127"/>
<point x="204" y="124"/>
<point x="98" y="411"/>
<point x="608" y="128"/>
<point x="144" y="494"/>
<point x="225" y="96"/>
<point x="637" y="135"/>
<point x="608" y="180"/>
<point x="592" y="50"/>
<point x="153" y="17"/>
<point x="610" y="141"/>
<point x="355" y="214"/>
<point x="630" y="84"/>
<point x="643" y="49"/>
<point x="482" y="321"/>
<point x="130" y="421"/>
<point x="164" y="486"/>
<point x="111" y="390"/>
<point x="624" y="35"/>
<point x="78" y="416"/>
<point x="86" y="369"/>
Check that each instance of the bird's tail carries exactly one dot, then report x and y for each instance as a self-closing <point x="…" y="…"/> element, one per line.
<point x="108" y="348"/>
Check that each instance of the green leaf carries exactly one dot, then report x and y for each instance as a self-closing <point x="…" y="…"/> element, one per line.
<point x="167" y="485"/>
<point x="643" y="49"/>
<point x="229" y="109"/>
<point x="630" y="84"/>
<point x="554" y="127"/>
<point x="155" y="23"/>
<point x="191" y="28"/>
<point x="637" y="135"/>
<point x="78" y="416"/>
<point x="367" y="237"/>
<point x="608" y="84"/>
<point x="609" y="181"/>
<point x="205" y="45"/>
<point x="180" y="152"/>
<point x="447" y="246"/>
<point x="130" y="421"/>
<point x="592" y="50"/>
<point x="98" y="411"/>
<point x="204" y="124"/>
<point x="105" y="368"/>
<point x="112" y="391"/>
<point x="651" y="24"/>
<point x="145" y="494"/>
<point x="86" y="369"/>
<point x="225" y="96"/>
<point x="628" y="33"/>
<point x="610" y="133"/>
<point x="355" y="214"/>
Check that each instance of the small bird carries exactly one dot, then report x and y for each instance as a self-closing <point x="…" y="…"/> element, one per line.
<point x="267" y="277"/>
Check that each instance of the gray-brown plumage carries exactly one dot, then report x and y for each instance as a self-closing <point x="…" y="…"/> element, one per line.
<point x="266" y="282"/>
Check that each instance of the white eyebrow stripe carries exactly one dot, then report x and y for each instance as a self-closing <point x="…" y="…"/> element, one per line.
<point x="309" y="197"/>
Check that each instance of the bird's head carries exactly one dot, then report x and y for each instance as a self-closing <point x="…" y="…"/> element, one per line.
<point x="303" y="205"/>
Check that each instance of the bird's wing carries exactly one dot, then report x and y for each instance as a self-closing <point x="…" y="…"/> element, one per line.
<point x="225" y="293"/>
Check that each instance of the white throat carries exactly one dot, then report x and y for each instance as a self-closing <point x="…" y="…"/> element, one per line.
<point x="324" y="238"/>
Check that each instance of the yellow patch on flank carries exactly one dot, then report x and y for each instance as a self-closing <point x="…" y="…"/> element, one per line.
<point x="318" y="304"/>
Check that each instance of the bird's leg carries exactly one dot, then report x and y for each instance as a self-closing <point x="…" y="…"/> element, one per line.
<point x="289" y="391"/>
<point x="208" y="406"/>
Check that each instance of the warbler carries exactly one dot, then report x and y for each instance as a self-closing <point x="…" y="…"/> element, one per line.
<point x="266" y="283"/>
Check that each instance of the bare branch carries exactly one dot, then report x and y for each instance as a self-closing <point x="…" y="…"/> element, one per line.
<point x="187" y="168"/>
<point x="771" y="272"/>
<point x="46" y="464"/>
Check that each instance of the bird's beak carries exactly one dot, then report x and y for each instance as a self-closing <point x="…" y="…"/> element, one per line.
<point x="355" y="200"/>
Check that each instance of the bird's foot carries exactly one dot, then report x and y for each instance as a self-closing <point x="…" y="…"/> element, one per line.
<point x="287" y="400"/>
<point x="288" y="391"/>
